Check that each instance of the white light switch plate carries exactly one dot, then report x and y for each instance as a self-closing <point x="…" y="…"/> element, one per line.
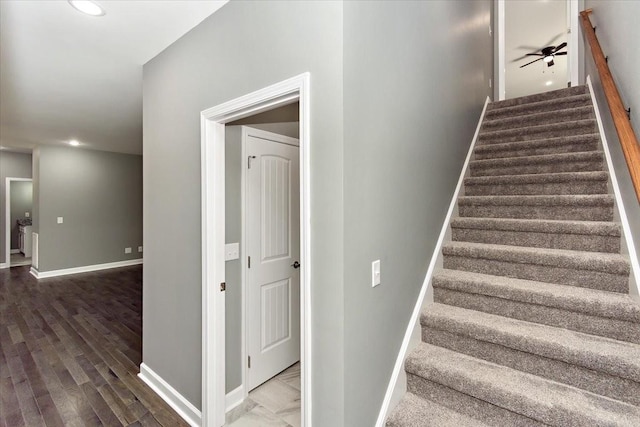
<point x="27" y="214"/>
<point x="231" y="251"/>
<point x="60" y="220"/>
<point x="139" y="248"/>
<point x="375" y="273"/>
<point x="127" y="250"/>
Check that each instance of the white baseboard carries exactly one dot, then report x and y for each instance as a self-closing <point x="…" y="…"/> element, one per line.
<point x="170" y="395"/>
<point x="84" y="269"/>
<point x="413" y="320"/>
<point x="4" y="265"/>
<point x="624" y="220"/>
<point x="14" y="251"/>
<point x="234" y="398"/>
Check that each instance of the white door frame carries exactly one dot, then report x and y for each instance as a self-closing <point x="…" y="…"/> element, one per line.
<point x="7" y="205"/>
<point x="213" y="238"/>
<point x="573" y="37"/>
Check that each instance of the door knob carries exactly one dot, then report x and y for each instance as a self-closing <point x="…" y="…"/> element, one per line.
<point x="295" y="264"/>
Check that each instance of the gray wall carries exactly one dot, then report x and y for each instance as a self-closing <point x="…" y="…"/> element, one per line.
<point x="413" y="95"/>
<point x="291" y="129"/>
<point x="243" y="47"/>
<point x="617" y="33"/>
<point x="21" y="202"/>
<point x="286" y="113"/>
<point x="99" y="195"/>
<point x="13" y="165"/>
<point x="233" y="271"/>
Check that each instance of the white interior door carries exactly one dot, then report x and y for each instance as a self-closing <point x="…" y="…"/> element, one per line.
<point x="273" y="250"/>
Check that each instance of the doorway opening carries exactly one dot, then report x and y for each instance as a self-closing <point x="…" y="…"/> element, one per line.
<point x="262" y="231"/>
<point x="294" y="91"/>
<point x="18" y="233"/>
<point x="538" y="47"/>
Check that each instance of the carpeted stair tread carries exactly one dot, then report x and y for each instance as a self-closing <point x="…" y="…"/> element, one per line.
<point x="553" y="130"/>
<point x="593" y="302"/>
<point x="415" y="411"/>
<point x="538" y="118"/>
<point x="595" y="270"/>
<point x="554" y="104"/>
<point x="539" y="97"/>
<point x="539" y="302"/>
<point x="591" y="236"/>
<point x="590" y="261"/>
<point x="543" y="400"/>
<point x="589" y="182"/>
<point x="593" y="207"/>
<point x="535" y="147"/>
<point x="618" y="358"/>
<point x="568" y="200"/>
<point x="537" y="178"/>
<point x="600" y="228"/>
<point x="588" y="161"/>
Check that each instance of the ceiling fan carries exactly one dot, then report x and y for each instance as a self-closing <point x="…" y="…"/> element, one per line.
<point x="546" y="54"/>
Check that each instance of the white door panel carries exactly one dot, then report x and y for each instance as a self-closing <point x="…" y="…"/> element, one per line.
<point x="273" y="246"/>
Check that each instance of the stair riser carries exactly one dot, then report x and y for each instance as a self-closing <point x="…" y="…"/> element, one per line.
<point x="541" y="132"/>
<point x="539" y="97"/>
<point x="547" y="118"/>
<point x="536" y="313"/>
<point x="521" y="110"/>
<point x="535" y="189"/>
<point x="468" y="405"/>
<point x="576" y="242"/>
<point x="537" y="168"/>
<point x="536" y="150"/>
<point x="563" y="212"/>
<point x="542" y="273"/>
<point x="556" y="370"/>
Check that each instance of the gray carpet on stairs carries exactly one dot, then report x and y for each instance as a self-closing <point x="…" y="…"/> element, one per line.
<point x="532" y="323"/>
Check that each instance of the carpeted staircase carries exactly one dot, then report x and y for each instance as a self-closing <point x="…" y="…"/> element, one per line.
<point x="532" y="323"/>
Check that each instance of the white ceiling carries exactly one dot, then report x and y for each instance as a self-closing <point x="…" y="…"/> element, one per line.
<point x="531" y="25"/>
<point x="65" y="75"/>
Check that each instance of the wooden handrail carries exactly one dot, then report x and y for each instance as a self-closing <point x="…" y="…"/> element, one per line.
<point x="628" y="139"/>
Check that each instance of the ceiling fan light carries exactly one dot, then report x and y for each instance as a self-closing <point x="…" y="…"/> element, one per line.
<point x="548" y="59"/>
<point x="88" y="7"/>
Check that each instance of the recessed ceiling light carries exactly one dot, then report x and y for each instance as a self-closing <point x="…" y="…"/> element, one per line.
<point x="74" y="143"/>
<point x="88" y="7"/>
<point x="549" y="83"/>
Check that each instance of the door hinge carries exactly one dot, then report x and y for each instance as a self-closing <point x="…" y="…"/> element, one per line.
<point x="249" y="161"/>
<point x="249" y="361"/>
<point x="223" y="286"/>
<point x="248" y="262"/>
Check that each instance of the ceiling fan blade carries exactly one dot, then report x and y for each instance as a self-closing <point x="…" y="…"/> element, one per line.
<point x="531" y="48"/>
<point x="550" y="63"/>
<point x="526" y="56"/>
<point x="560" y="53"/>
<point x="539" y="59"/>
<point x="550" y="42"/>
<point x="560" y="46"/>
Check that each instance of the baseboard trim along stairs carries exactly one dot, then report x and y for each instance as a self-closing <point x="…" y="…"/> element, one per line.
<point x="532" y="322"/>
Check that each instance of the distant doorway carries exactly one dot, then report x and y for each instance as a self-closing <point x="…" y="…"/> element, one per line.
<point x="18" y="216"/>
<point x="538" y="46"/>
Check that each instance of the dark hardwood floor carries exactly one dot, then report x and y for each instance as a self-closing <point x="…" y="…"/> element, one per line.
<point x="70" y="348"/>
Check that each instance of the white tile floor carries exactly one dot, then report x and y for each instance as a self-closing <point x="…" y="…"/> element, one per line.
<point x="275" y="403"/>
<point x="19" y="259"/>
